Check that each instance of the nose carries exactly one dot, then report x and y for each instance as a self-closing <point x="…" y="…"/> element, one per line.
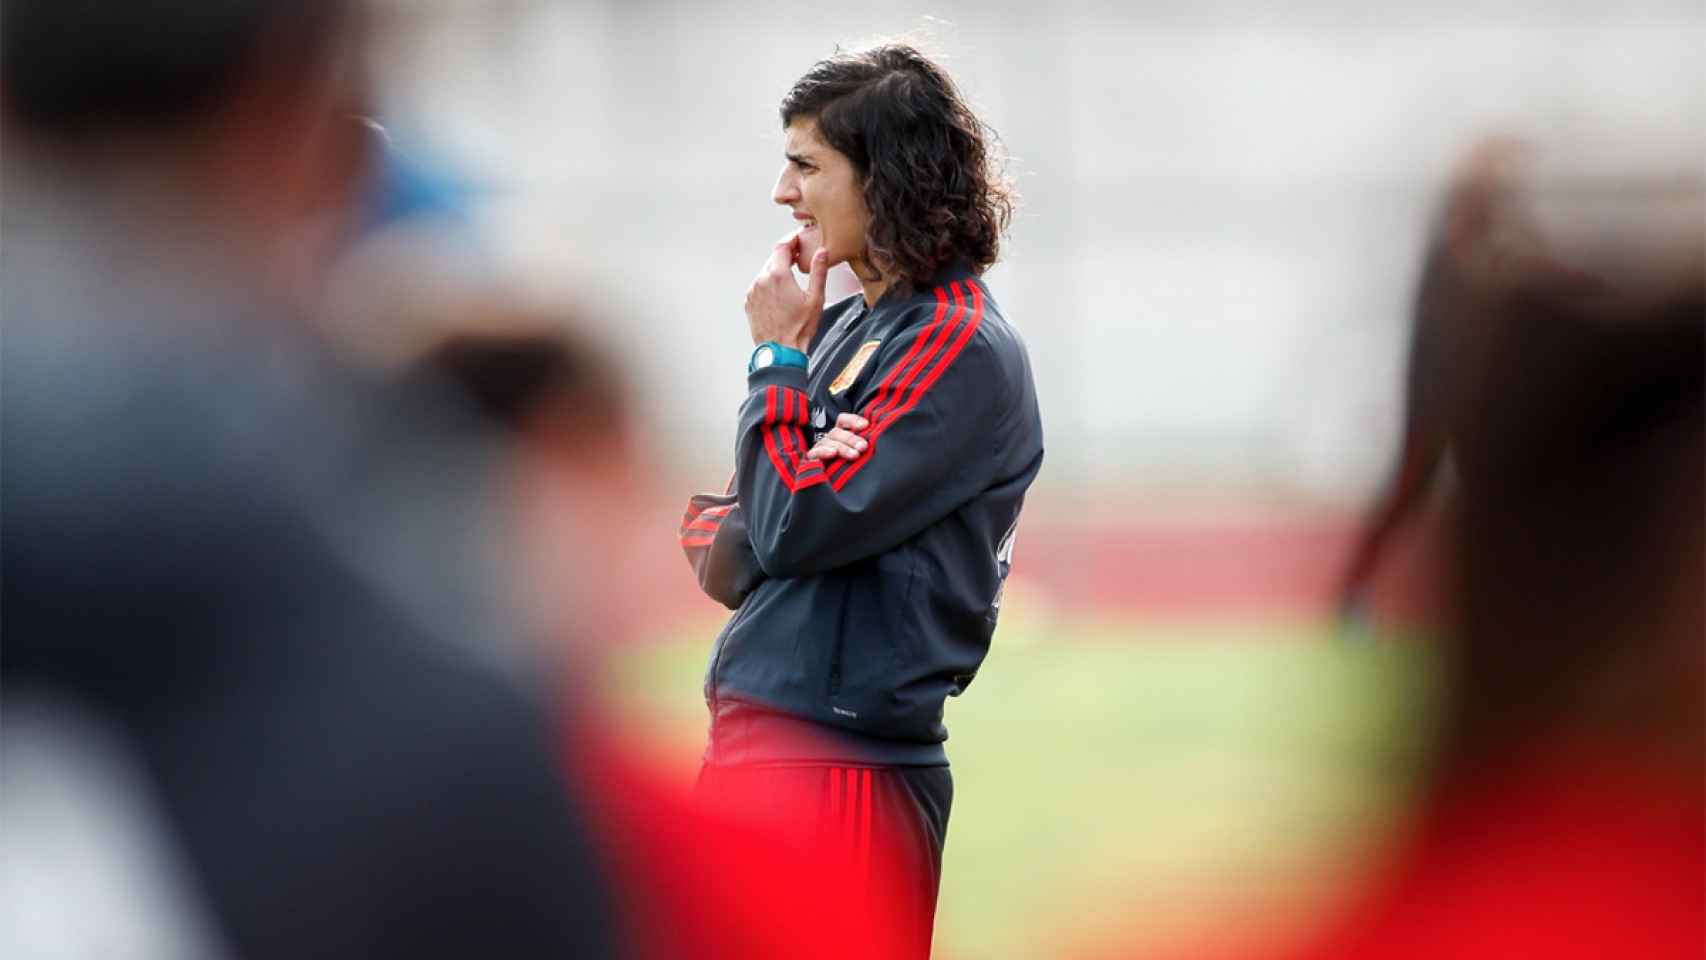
<point x="787" y="190"/>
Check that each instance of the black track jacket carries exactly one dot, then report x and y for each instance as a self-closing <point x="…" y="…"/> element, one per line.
<point x="866" y="591"/>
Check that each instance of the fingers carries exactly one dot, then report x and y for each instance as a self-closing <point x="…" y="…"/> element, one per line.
<point x="847" y="439"/>
<point x="838" y="443"/>
<point x="851" y="421"/>
<point x="818" y="281"/>
<point x="783" y="255"/>
<point x="828" y="449"/>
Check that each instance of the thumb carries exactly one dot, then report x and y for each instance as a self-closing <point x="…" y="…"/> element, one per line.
<point x="819" y="279"/>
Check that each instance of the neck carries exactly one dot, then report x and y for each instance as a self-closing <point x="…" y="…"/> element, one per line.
<point x="873" y="281"/>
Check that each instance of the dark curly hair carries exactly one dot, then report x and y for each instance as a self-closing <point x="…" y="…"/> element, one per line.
<point x="933" y="180"/>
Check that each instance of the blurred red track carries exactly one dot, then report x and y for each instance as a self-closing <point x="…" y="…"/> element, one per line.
<point x="1186" y="571"/>
<point x="1230" y="564"/>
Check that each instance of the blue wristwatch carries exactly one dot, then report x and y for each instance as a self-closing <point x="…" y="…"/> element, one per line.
<point x="772" y="354"/>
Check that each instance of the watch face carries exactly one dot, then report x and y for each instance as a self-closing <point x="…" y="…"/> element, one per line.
<point x="764" y="357"/>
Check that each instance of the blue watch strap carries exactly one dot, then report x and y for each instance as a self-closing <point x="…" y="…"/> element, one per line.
<point x="778" y="356"/>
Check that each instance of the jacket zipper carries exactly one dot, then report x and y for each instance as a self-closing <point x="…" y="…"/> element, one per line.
<point x="826" y="350"/>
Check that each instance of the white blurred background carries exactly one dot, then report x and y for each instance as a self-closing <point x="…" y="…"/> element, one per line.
<point x="1224" y="202"/>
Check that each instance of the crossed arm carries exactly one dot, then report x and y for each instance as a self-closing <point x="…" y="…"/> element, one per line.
<point x="920" y="445"/>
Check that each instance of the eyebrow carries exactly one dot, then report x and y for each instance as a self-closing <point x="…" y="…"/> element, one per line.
<point x="798" y="158"/>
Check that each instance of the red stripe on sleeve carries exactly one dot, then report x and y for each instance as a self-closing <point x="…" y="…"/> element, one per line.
<point x="695" y="512"/>
<point x="918" y="391"/>
<point x="811" y="471"/>
<point x="783" y="440"/>
<point x="782" y="472"/>
<point x="710" y="521"/>
<point x="878" y="412"/>
<point x="790" y="453"/>
<point x="944" y="334"/>
<point x="805" y="447"/>
<point x="703" y="524"/>
<point x="793" y="446"/>
<point x="917" y="345"/>
<point x="924" y="385"/>
<point x="783" y="458"/>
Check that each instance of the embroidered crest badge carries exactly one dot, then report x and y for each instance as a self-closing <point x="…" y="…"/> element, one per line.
<point x="854" y="367"/>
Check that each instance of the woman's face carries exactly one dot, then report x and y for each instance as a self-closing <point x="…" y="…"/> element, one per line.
<point x="818" y="183"/>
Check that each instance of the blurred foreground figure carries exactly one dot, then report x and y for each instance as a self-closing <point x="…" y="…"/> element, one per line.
<point x="252" y="703"/>
<point x="1465" y="230"/>
<point x="736" y="881"/>
<point x="1567" y="812"/>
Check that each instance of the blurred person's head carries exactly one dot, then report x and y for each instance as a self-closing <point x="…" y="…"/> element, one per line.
<point x="574" y="480"/>
<point x="529" y="372"/>
<point x="239" y="115"/>
<point x="1579" y="539"/>
<point x="889" y="169"/>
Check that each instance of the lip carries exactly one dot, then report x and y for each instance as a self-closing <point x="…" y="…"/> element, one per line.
<point x="804" y="217"/>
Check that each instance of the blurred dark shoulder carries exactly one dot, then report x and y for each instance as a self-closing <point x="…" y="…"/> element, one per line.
<point x="274" y="576"/>
<point x="162" y="424"/>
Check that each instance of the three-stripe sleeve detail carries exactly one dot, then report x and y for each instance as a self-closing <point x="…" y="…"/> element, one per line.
<point x="786" y="411"/>
<point x="935" y="350"/>
<point x="699" y="526"/>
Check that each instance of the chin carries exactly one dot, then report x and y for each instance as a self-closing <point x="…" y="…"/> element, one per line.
<point x="810" y="246"/>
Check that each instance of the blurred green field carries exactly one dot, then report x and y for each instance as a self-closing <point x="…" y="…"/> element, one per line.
<point x="1138" y="778"/>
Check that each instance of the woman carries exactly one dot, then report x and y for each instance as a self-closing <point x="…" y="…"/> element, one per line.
<point x="865" y="565"/>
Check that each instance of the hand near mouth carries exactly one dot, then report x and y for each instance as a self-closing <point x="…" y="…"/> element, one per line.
<point x="777" y="310"/>
<point x="797" y="249"/>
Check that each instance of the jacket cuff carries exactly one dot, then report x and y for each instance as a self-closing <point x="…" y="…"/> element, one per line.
<point x="776" y="375"/>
